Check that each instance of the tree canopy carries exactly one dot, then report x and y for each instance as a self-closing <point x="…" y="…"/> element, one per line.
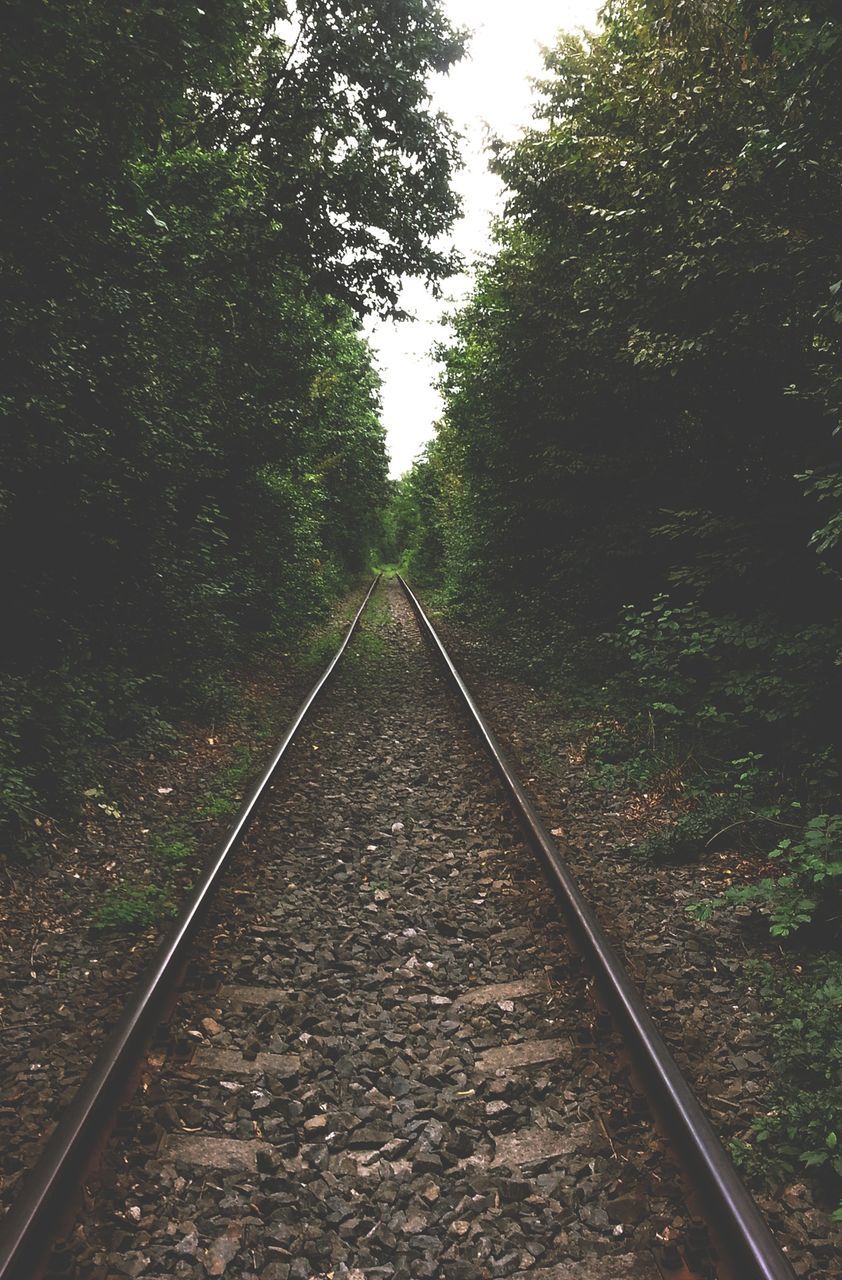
<point x="643" y="397"/>
<point x="199" y="202"/>
<point x="637" y="480"/>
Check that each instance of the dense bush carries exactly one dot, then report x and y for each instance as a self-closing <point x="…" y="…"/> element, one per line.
<point x="410" y="533"/>
<point x="637" y="473"/>
<point x="198" y="203"/>
<point x="799" y="1124"/>
<point x="637" y="466"/>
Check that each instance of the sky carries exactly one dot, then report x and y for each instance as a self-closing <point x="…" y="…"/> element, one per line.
<point x="488" y="92"/>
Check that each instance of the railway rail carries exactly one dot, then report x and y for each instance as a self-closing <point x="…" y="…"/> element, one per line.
<point x="468" y="1048"/>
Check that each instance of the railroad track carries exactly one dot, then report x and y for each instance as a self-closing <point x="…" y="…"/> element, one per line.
<point x="383" y="1059"/>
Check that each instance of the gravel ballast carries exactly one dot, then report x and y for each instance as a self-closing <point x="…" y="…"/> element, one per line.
<point x="698" y="979"/>
<point x="386" y="1063"/>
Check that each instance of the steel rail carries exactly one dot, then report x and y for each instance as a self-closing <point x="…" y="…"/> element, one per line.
<point x="28" y="1229"/>
<point x="739" y="1227"/>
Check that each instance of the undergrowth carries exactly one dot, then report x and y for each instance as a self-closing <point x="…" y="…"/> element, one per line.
<point x="806" y="890"/>
<point x="137" y="903"/>
<point x="748" y="802"/>
<point x="129" y="906"/>
<point x="174" y="852"/>
<point x="225" y="793"/>
<point x="649" y="721"/>
<point x="800" y="1126"/>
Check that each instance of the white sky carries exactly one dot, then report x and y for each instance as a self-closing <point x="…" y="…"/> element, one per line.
<point x="489" y="91"/>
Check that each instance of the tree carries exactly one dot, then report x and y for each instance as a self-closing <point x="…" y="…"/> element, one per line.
<point x="649" y="360"/>
<point x="192" y="446"/>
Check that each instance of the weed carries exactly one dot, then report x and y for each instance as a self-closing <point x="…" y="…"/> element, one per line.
<point x="640" y="754"/>
<point x="805" y="892"/>
<point x="107" y="806"/>
<point x="546" y="753"/>
<point x="368" y="649"/>
<point x="693" y="832"/>
<point x="259" y="720"/>
<point x="800" y="1126"/>
<point x="132" y="906"/>
<point x="222" y="799"/>
<point x="172" y="851"/>
<point x="320" y="648"/>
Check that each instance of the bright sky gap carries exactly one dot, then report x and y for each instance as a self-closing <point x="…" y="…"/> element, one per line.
<point x="489" y="93"/>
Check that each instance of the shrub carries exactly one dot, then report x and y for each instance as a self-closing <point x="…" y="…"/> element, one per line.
<point x="807" y="890"/>
<point x="801" y="1126"/>
<point x="693" y="832"/>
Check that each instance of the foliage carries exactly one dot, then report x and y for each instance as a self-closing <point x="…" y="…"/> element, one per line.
<point x="193" y="458"/>
<point x="732" y="680"/>
<point x="800" y="1127"/>
<point x="132" y="906"/>
<point x="410" y="534"/>
<point x="806" y="890"/>
<point x="223" y="797"/>
<point x="637" y="468"/>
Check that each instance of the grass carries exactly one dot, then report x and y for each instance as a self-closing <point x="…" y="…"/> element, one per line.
<point x="144" y="899"/>
<point x="367" y="650"/>
<point x="138" y="903"/>
<point x="172" y="847"/>
<point x="224" y="796"/>
<point x="798" y="1122"/>
<point x="320" y="648"/>
<point x="129" y="906"/>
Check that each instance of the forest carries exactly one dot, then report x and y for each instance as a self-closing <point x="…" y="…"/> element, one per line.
<point x="193" y="460"/>
<point x="636" y="482"/>
<point x="637" y="472"/>
<point x="634" y="492"/>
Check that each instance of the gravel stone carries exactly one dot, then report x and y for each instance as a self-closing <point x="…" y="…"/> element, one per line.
<point x="353" y="1121"/>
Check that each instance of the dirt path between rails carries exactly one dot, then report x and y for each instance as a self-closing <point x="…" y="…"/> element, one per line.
<point x="399" y="1074"/>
